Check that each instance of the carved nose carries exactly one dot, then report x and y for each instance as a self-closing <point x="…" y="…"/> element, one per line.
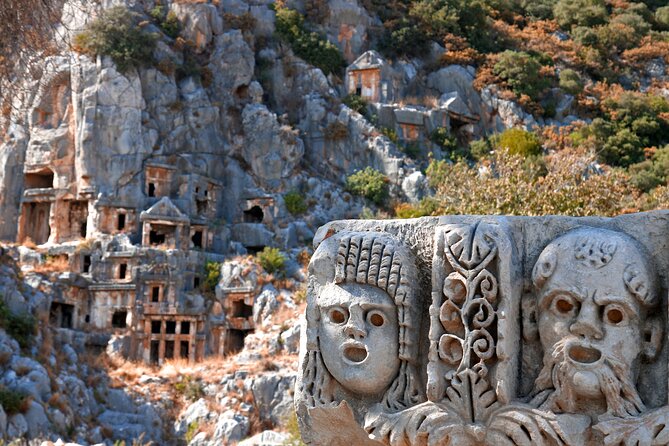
<point x="353" y="331"/>
<point x="587" y="330"/>
<point x="587" y="323"/>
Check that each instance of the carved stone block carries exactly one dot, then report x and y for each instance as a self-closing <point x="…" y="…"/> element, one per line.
<point x="466" y="330"/>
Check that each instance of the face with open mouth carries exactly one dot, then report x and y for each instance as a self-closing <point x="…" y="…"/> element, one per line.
<point x="359" y="336"/>
<point x="591" y="313"/>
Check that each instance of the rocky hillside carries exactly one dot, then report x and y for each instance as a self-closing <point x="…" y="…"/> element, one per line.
<point x="166" y="164"/>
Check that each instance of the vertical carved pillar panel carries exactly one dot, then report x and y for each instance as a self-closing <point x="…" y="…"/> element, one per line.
<point x="473" y="316"/>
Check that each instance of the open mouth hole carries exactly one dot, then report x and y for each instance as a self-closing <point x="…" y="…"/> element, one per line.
<point x="584" y="355"/>
<point x="355" y="354"/>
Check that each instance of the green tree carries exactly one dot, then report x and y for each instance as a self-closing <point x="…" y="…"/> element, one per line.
<point x="522" y="72"/>
<point x="311" y="47"/>
<point x="519" y="142"/>
<point x="117" y="33"/>
<point x="570" y="81"/>
<point x="662" y="18"/>
<point x="569" y="13"/>
<point x="271" y="259"/>
<point x="369" y="183"/>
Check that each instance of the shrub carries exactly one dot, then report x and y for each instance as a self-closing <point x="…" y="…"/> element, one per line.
<point x="589" y="13"/>
<point x="335" y="131"/>
<point x="411" y="149"/>
<point x="426" y="206"/>
<point x="391" y="134"/>
<point x="570" y="81"/>
<point x="190" y="66"/>
<point x="14" y="401"/>
<point x="442" y="137"/>
<point x="631" y="123"/>
<point x="480" y="148"/>
<point x="369" y="183"/>
<point x="538" y="9"/>
<point x="308" y="45"/>
<point x="467" y="18"/>
<point x="192" y="431"/>
<point x="567" y="187"/>
<point x="116" y="33"/>
<point x="662" y="18"/>
<point x="522" y="72"/>
<point x="169" y="22"/>
<point x="244" y="22"/>
<point x="292" y="428"/>
<point x="652" y="172"/>
<point x="271" y="259"/>
<point x="189" y="388"/>
<point x="171" y="25"/>
<point x="21" y="327"/>
<point x="519" y="142"/>
<point x="213" y="272"/>
<point x="356" y="103"/>
<point x="404" y="38"/>
<point x="295" y="203"/>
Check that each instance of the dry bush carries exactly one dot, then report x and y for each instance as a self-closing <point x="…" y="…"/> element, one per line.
<point x="53" y="264"/>
<point x="458" y="52"/>
<point x="429" y="101"/>
<point x="647" y="50"/>
<point x="565" y="185"/>
<point x="336" y="131"/>
<point x="59" y="401"/>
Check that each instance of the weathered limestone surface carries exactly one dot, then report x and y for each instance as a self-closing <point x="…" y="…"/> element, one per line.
<point x="465" y="330"/>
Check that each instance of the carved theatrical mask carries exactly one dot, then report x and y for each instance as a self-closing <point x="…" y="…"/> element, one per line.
<point x="594" y="290"/>
<point x="359" y="336"/>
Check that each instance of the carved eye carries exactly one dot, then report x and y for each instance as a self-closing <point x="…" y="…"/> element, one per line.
<point x="376" y="319"/>
<point x="565" y="305"/>
<point x="614" y="315"/>
<point x="338" y="315"/>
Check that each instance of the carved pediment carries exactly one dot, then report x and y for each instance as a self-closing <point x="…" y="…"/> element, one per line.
<point x="164" y="210"/>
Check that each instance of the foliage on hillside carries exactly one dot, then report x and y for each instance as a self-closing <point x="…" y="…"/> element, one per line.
<point x="598" y="53"/>
<point x="565" y="184"/>
<point x="118" y="33"/>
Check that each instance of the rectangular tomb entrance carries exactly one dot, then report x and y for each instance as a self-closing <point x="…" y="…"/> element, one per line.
<point x="35" y="222"/>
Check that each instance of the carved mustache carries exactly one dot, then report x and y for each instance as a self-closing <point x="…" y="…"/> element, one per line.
<point x="613" y="374"/>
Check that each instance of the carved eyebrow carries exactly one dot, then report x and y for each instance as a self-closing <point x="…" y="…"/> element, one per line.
<point x="372" y="306"/>
<point x="605" y="300"/>
<point x="547" y="298"/>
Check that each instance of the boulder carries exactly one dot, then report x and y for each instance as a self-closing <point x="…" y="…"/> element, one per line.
<point x="265" y="304"/>
<point x="196" y="412"/>
<point x="457" y="81"/>
<point x="290" y="339"/>
<point x="230" y="428"/>
<point x="36" y="419"/>
<point x="273" y="394"/>
<point x="415" y="186"/>
<point x="199" y="21"/>
<point x="272" y="150"/>
<point x="3" y="422"/>
<point x="17" y="426"/>
<point x="232" y="62"/>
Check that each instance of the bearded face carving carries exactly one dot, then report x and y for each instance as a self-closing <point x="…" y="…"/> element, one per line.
<point x="595" y="288"/>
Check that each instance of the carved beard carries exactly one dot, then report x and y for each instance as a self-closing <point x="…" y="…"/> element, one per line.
<point x="615" y="382"/>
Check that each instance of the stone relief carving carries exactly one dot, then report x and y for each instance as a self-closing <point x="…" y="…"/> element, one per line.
<point x="380" y="366"/>
<point x="362" y="327"/>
